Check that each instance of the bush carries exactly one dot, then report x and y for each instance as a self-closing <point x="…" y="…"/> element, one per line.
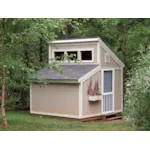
<point x="11" y="103"/>
<point x="137" y="97"/>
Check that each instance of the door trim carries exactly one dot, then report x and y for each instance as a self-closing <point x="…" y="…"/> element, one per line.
<point x="113" y="89"/>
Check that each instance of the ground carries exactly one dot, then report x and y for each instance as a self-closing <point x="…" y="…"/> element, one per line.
<point x="22" y="121"/>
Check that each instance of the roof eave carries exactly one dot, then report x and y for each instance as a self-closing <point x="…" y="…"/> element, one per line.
<point x="54" y="81"/>
<point x="74" y="41"/>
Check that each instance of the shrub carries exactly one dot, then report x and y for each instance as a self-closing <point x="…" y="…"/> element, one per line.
<point x="137" y="97"/>
<point x="11" y="103"/>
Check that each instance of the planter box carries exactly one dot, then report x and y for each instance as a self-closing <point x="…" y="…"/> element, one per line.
<point x="95" y="98"/>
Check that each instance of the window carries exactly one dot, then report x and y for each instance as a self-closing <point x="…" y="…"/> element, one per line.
<point x="76" y="54"/>
<point x="73" y="55"/>
<point x="86" y="55"/>
<point x="107" y="81"/>
<point x="59" y="55"/>
<point x="107" y="57"/>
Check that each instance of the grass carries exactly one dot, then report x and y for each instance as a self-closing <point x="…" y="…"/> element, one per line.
<point x="22" y="121"/>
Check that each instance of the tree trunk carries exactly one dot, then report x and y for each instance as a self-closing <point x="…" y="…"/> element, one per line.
<point x="26" y="55"/>
<point x="3" y="98"/>
<point x="41" y="52"/>
<point x="124" y="41"/>
<point x="69" y="30"/>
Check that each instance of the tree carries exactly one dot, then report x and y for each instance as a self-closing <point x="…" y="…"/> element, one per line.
<point x="27" y="39"/>
<point x="26" y="49"/>
<point x="3" y="98"/>
<point x="137" y="97"/>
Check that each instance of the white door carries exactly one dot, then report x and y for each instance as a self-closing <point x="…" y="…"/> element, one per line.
<point x="108" y="95"/>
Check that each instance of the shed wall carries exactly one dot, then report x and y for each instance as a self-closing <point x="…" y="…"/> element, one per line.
<point x="56" y="98"/>
<point x="118" y="90"/>
<point x="91" y="108"/>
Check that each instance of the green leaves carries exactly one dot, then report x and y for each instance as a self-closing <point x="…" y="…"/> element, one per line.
<point x="137" y="97"/>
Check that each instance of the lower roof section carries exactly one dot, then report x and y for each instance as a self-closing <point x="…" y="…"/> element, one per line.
<point x="71" y="73"/>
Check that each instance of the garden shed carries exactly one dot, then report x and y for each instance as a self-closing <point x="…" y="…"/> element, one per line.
<point x="89" y="90"/>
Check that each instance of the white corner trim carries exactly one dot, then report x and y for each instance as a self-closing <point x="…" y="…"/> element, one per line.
<point x="89" y="74"/>
<point x="75" y="40"/>
<point x="111" y="52"/>
<point x="80" y="100"/>
<point x="122" y="89"/>
<point x="98" y="53"/>
<point x="113" y="82"/>
<point x="30" y="97"/>
<point x="102" y="89"/>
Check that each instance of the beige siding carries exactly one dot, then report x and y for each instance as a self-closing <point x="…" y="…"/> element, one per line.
<point x="86" y="45"/>
<point x="111" y="64"/>
<point x="56" y="98"/>
<point x="117" y="90"/>
<point x="90" y="108"/>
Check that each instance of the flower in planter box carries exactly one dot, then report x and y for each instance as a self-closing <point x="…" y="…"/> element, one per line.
<point x="96" y="88"/>
<point x="95" y="91"/>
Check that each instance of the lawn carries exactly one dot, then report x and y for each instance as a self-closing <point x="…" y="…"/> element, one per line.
<point x="22" y="121"/>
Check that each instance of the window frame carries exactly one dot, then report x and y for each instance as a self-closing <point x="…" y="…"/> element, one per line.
<point x="78" y="53"/>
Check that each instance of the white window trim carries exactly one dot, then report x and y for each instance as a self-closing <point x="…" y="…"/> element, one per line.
<point x="98" y="53"/>
<point x="78" y="53"/>
<point x="122" y="89"/>
<point x="30" y="97"/>
<point x="107" y="93"/>
<point x="80" y="100"/>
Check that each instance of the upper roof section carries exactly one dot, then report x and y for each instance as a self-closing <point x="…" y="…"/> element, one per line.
<point x="89" y="50"/>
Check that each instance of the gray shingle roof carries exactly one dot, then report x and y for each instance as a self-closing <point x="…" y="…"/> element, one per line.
<point x="71" y="72"/>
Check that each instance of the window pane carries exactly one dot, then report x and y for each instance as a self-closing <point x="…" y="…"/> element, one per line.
<point x="107" y="81"/>
<point x="59" y="55"/>
<point x="86" y="55"/>
<point x="74" y="55"/>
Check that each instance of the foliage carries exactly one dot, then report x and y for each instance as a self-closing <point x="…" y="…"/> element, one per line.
<point x="137" y="97"/>
<point x="26" y="50"/>
<point x="22" y="121"/>
<point x="11" y="103"/>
